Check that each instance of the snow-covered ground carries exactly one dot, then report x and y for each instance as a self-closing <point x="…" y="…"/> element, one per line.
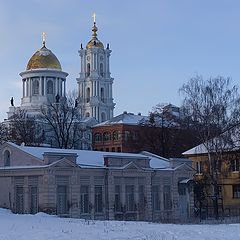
<point x="45" y="227"/>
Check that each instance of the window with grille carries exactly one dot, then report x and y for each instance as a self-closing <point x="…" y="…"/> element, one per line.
<point x="167" y="200"/>
<point x="155" y="197"/>
<point x="117" y="203"/>
<point x="141" y="197"/>
<point x="33" y="194"/>
<point x="98" y="199"/>
<point x="84" y="199"/>
<point x="62" y="199"/>
<point x="130" y="205"/>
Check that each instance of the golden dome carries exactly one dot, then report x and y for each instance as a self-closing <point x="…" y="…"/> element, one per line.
<point x="43" y="58"/>
<point x="94" y="42"/>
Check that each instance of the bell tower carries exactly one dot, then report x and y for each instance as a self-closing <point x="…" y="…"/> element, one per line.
<point x="95" y="81"/>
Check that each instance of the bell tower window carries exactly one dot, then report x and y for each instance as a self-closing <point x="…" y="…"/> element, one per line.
<point x="101" y="69"/>
<point x="88" y="94"/>
<point x="102" y="94"/>
<point x="103" y="116"/>
<point x="88" y="69"/>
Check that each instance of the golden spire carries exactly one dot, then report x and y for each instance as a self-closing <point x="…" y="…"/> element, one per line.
<point x="94" y="42"/>
<point x="43" y="39"/>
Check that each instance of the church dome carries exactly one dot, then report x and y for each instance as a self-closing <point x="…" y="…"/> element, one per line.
<point x="94" y="42"/>
<point x="43" y="58"/>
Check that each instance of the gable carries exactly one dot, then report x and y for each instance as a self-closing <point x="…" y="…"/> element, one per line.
<point x="184" y="167"/>
<point x="63" y="163"/>
<point x="18" y="157"/>
<point x="132" y="166"/>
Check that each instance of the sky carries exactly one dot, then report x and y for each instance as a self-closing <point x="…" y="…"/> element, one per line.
<point x="157" y="45"/>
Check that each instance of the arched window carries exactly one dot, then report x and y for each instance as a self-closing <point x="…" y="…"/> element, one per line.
<point x="50" y="87"/>
<point x="106" y="136"/>
<point x="88" y="94"/>
<point x="103" y="117"/>
<point x="6" y="158"/>
<point x="35" y="87"/>
<point x="98" y="137"/>
<point x="102" y="94"/>
<point x="101" y="69"/>
<point x="88" y="69"/>
<point x="116" y="135"/>
<point x="87" y="114"/>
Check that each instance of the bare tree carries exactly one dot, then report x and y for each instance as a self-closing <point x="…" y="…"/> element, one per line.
<point x="23" y="128"/>
<point x="62" y="121"/>
<point x="212" y="106"/>
<point x="163" y="132"/>
<point x="3" y="133"/>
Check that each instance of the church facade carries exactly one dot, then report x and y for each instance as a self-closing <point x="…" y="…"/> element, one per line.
<point x="44" y="84"/>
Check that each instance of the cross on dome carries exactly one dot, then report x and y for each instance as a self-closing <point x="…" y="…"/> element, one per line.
<point x="44" y="38"/>
<point x="94" y="17"/>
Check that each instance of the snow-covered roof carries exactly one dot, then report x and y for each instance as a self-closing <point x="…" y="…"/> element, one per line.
<point x="124" y="118"/>
<point x="200" y="149"/>
<point x="94" y="158"/>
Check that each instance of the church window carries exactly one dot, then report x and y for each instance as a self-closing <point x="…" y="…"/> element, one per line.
<point x="88" y="94"/>
<point x="50" y="87"/>
<point x="103" y="116"/>
<point x="87" y="114"/>
<point x="6" y="158"/>
<point x="88" y="69"/>
<point x="101" y="69"/>
<point x="102" y="94"/>
<point x="35" y="87"/>
<point x="106" y="136"/>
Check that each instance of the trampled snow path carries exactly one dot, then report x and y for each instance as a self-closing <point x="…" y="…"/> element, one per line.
<point x="45" y="227"/>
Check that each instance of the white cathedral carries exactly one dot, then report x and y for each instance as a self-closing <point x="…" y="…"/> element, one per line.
<point x="44" y="82"/>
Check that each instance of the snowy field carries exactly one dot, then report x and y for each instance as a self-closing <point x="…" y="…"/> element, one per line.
<point x="44" y="227"/>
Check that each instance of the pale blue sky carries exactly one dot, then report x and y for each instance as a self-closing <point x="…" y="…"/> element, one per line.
<point x="157" y="45"/>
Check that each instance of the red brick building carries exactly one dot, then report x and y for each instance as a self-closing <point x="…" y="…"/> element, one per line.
<point x="119" y="134"/>
<point x="134" y="133"/>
